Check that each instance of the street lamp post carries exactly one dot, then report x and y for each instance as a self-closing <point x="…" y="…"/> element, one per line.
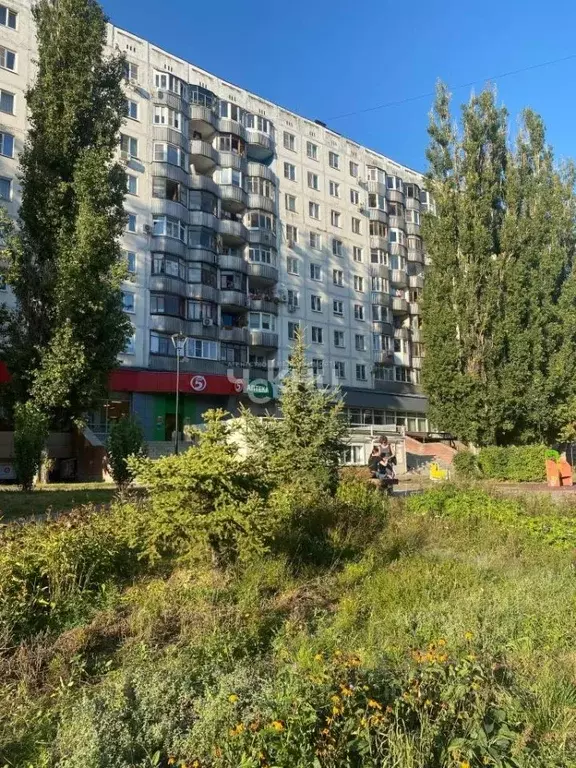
<point x="179" y="341"/>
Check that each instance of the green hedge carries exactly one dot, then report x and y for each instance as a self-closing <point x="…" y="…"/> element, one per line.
<point x="518" y="464"/>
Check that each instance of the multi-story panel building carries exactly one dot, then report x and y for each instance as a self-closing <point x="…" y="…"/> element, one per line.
<point x="245" y="222"/>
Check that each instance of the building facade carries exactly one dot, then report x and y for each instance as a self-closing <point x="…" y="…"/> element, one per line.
<point x="245" y="223"/>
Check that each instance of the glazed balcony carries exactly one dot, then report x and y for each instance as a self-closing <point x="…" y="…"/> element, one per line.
<point x="264" y="339"/>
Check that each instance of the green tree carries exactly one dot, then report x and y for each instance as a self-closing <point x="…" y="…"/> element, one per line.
<point x="304" y="446"/>
<point x="125" y="439"/>
<point x="66" y="265"/>
<point x="499" y="293"/>
<point x="31" y="431"/>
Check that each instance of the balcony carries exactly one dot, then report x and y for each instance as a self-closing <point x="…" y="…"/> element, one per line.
<point x="379" y="242"/>
<point x="397" y="249"/>
<point x="380" y="298"/>
<point x="399" y="306"/>
<point x="414" y="308"/>
<point x="264" y="339"/>
<point x="234" y="199"/>
<point x="166" y="284"/>
<point x="204" y="184"/>
<point x="201" y="291"/>
<point x="395" y="196"/>
<point x="375" y="214"/>
<point x="235" y="263"/>
<point x="168" y="99"/>
<point x="261" y="203"/>
<point x="234" y="335"/>
<point x="203" y="120"/>
<point x="166" y="134"/>
<point x="233" y="299"/>
<point x="203" y="219"/>
<point x="417" y="363"/>
<point x="233" y="232"/>
<point x="402" y="333"/>
<point x="415" y="334"/>
<point x="415" y="257"/>
<point x="266" y="273"/>
<point x="397" y="222"/>
<point x="380" y="270"/>
<point x="262" y="237"/>
<point x="412" y="229"/>
<point x="163" y="244"/>
<point x="232" y="160"/>
<point x="384" y="357"/>
<point x="415" y="281"/>
<point x="203" y="255"/>
<point x="264" y="305"/>
<point x="232" y="126"/>
<point x="197" y="328"/>
<point x="412" y="204"/>
<point x="382" y="327"/>
<point x="167" y="170"/>
<point x="203" y="156"/>
<point x="398" y="277"/>
<point x="377" y="188"/>
<point x="257" y="169"/>
<point x="261" y="146"/>
<point x="165" y="207"/>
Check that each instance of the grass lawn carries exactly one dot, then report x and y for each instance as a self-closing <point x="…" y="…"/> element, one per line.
<point x="15" y="504"/>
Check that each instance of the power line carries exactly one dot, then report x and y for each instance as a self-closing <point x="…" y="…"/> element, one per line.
<point x="455" y="87"/>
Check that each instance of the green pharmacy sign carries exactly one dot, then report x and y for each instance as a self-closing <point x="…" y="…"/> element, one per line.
<point x="261" y="389"/>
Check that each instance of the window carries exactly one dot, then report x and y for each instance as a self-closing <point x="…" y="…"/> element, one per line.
<point x="6" y="102"/>
<point x="315" y="272"/>
<point x="260" y="254"/>
<point x="166" y="82"/>
<point x="377" y="201"/>
<point x="354" y="197"/>
<point x="397" y="236"/>
<point x="255" y="184"/>
<point x="378" y="256"/>
<point x="231" y="143"/>
<point x="128" y="302"/>
<point x="338" y="307"/>
<point x="339" y="338"/>
<point x="131" y="222"/>
<point x="333" y="160"/>
<point x="130" y="70"/>
<point x="413" y="217"/>
<point x="313" y="210"/>
<point x="334" y="189"/>
<point x="315" y="303"/>
<point x="289" y="141"/>
<point x="168" y="226"/>
<point x="317" y="366"/>
<point x="358" y="312"/>
<point x="339" y="369"/>
<point x="335" y="218"/>
<point x="132" y="109"/>
<point x="380" y="314"/>
<point x="129" y="144"/>
<point x="167" y="116"/>
<point x="337" y="247"/>
<point x="291" y="233"/>
<point x="353" y="169"/>
<point x="360" y="342"/>
<point x="355" y="225"/>
<point x="317" y="335"/>
<point x="131" y="262"/>
<point x="402" y="374"/>
<point x="293" y="329"/>
<point x="7" y="17"/>
<point x="357" y="253"/>
<point x="292" y="266"/>
<point x="358" y="283"/>
<point x="260" y="220"/>
<point x="130" y="348"/>
<point x="290" y="171"/>
<point x="360" y="372"/>
<point x="290" y="203"/>
<point x="6" y="144"/>
<point x="315" y="241"/>
<point x="338" y="277"/>
<point x="378" y="229"/>
<point x="5" y="188"/>
<point x="7" y="58"/>
<point x="293" y="299"/>
<point x="262" y="321"/>
<point x="132" y="184"/>
<point x="208" y="350"/>
<point x="170" y="153"/>
<point x="313" y="180"/>
<point x="311" y="150"/>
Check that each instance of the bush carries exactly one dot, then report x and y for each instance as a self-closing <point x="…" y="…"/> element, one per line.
<point x="210" y="494"/>
<point x="30" y="435"/>
<point x="466" y="465"/>
<point x="519" y="464"/>
<point x="125" y="439"/>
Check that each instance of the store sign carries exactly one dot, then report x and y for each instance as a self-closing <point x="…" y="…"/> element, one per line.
<point x="261" y="389"/>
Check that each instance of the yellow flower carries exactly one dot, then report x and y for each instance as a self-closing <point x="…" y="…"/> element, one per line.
<point x="441" y="641"/>
<point x="237" y="730"/>
<point x="278" y="725"/>
<point x="345" y="690"/>
<point x="337" y="653"/>
<point x="465" y="764"/>
<point x="196" y="764"/>
<point x="374" y="704"/>
<point x="233" y="698"/>
<point x="335" y="699"/>
<point x="171" y="760"/>
<point x="318" y="657"/>
<point x="468" y="636"/>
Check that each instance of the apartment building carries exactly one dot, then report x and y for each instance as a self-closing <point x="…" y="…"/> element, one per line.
<point x="245" y="223"/>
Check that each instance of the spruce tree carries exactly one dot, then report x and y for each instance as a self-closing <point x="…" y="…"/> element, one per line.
<point x="66" y="265"/>
<point x="499" y="296"/>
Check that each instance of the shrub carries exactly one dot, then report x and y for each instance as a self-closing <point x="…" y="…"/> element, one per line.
<point x="210" y="494"/>
<point x="466" y="465"/>
<point x="30" y="435"/>
<point x="125" y="439"/>
<point x="519" y="464"/>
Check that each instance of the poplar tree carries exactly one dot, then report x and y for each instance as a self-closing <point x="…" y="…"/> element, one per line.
<point x="65" y="262"/>
<point x="500" y="292"/>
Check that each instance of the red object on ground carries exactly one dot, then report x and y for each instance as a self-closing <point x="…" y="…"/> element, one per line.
<point x="552" y="473"/>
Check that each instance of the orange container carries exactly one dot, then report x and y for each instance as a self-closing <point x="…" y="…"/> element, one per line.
<point x="565" y="471"/>
<point x="552" y="473"/>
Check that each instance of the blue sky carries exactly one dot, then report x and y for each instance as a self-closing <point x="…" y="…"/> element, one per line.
<point x="326" y="58"/>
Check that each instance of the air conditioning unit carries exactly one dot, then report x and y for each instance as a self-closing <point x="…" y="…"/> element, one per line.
<point x="292" y="307"/>
<point x="361" y="209"/>
<point x="207" y="322"/>
<point x="159" y="94"/>
<point x="147" y="229"/>
<point x="124" y="156"/>
<point x="282" y="296"/>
